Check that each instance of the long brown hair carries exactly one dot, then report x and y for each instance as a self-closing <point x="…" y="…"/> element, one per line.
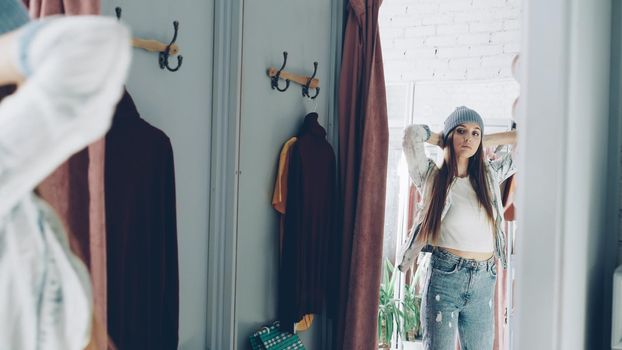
<point x="430" y="226"/>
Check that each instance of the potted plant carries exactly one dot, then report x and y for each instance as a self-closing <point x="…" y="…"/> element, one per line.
<point x="411" y="330"/>
<point x="411" y="303"/>
<point x="389" y="313"/>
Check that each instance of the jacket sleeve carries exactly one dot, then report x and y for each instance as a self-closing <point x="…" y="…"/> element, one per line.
<point x="410" y="250"/>
<point x="75" y="69"/>
<point x="418" y="163"/>
<point x="169" y="254"/>
<point x="288" y="299"/>
<point x="418" y="167"/>
<point x="503" y="166"/>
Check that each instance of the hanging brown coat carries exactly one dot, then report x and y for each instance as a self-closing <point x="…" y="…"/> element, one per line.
<point x="309" y="242"/>
<point x="143" y="283"/>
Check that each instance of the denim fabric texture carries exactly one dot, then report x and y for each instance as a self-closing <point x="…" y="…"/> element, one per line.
<point x="458" y="300"/>
<point x="78" y="66"/>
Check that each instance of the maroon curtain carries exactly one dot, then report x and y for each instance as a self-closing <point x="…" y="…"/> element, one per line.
<point x="76" y="189"/>
<point x="363" y="152"/>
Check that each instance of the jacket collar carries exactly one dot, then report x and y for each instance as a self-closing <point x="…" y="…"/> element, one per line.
<point x="311" y="126"/>
<point x="126" y="109"/>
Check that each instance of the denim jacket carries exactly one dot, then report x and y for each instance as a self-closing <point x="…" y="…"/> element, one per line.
<point x="76" y="67"/>
<point x="423" y="170"/>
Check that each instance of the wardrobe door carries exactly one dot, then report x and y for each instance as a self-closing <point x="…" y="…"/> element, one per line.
<point x="268" y="119"/>
<point x="179" y="103"/>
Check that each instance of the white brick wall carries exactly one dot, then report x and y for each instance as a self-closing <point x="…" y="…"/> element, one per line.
<point x="434" y="100"/>
<point x="418" y="31"/>
<point x="439" y="54"/>
<point x="481" y="36"/>
<point x="452" y="29"/>
<point x="486" y="27"/>
<point x="473" y="38"/>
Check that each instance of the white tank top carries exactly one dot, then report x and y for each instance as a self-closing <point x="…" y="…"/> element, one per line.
<point x="466" y="226"/>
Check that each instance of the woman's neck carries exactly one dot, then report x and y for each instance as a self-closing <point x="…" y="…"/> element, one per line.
<point x="462" y="163"/>
<point x="463" y="167"/>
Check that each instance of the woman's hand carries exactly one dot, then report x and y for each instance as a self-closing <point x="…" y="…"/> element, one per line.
<point x="9" y="73"/>
<point x="74" y="68"/>
<point x="436" y="139"/>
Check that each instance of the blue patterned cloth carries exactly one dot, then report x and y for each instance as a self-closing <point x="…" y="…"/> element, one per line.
<point x="273" y="338"/>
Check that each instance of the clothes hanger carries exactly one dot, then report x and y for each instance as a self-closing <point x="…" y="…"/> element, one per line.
<point x="311" y="105"/>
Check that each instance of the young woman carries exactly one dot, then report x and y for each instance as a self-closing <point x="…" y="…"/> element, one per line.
<point x="70" y="73"/>
<point x="460" y="221"/>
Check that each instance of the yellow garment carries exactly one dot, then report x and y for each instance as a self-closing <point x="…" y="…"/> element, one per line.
<point x="279" y="199"/>
<point x="304" y="324"/>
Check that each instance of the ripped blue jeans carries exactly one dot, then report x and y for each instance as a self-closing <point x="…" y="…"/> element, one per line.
<point x="458" y="297"/>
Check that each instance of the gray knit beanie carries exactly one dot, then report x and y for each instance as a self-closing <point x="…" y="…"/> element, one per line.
<point x="12" y="15"/>
<point x="460" y="116"/>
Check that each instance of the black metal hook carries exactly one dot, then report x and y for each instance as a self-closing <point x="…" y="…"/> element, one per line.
<point x="275" y="79"/>
<point x="305" y="89"/>
<point x="164" y="55"/>
<point x="118" y="11"/>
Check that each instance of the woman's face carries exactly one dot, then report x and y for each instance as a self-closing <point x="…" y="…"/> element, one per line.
<point x="466" y="139"/>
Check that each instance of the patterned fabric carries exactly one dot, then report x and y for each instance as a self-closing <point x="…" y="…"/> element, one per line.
<point x="273" y="338"/>
<point x="422" y="171"/>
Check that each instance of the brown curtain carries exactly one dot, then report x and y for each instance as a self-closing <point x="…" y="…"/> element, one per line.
<point x="363" y="153"/>
<point x="42" y="8"/>
<point x="76" y="189"/>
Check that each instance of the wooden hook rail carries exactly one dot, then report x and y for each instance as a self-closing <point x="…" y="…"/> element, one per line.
<point x="164" y="50"/>
<point x="154" y="46"/>
<point x="306" y="82"/>
<point x="298" y="79"/>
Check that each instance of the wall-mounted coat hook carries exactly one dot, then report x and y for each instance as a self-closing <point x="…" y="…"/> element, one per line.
<point x="156" y="46"/>
<point x="305" y="88"/>
<point x="276" y="74"/>
<point x="274" y="82"/>
<point x="164" y="55"/>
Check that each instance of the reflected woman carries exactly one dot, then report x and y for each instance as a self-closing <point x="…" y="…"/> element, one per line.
<point x="460" y="222"/>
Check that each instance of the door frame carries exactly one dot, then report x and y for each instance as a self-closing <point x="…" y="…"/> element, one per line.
<point x="559" y="297"/>
<point x="224" y="170"/>
<point x="224" y="163"/>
